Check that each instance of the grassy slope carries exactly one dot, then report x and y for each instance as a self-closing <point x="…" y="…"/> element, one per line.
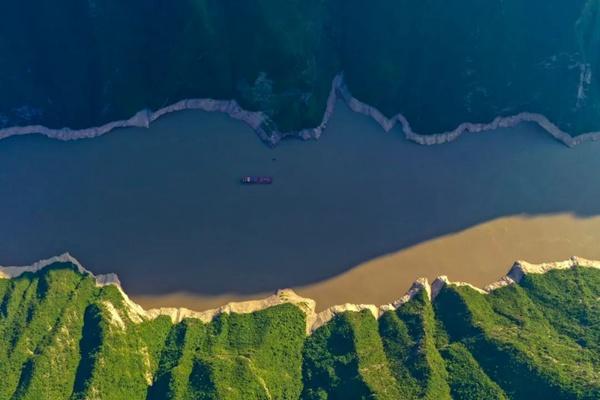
<point x="466" y="378"/>
<point x="40" y="331"/>
<point x="254" y="356"/>
<point x="84" y="63"/>
<point x="518" y="345"/>
<point x="62" y="337"/>
<point x="131" y="351"/>
<point x="330" y="369"/>
<point x="409" y="339"/>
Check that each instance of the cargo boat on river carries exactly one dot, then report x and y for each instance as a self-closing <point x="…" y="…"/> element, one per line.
<point x="256" y="180"/>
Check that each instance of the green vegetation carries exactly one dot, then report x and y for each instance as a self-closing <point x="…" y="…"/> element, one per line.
<point x="466" y="378"/>
<point x="251" y="356"/>
<point x="345" y="360"/>
<point x="82" y="64"/>
<point x="520" y="346"/>
<point x="63" y="337"/>
<point x="409" y="338"/>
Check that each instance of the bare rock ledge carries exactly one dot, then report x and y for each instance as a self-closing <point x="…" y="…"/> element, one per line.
<point x="260" y="123"/>
<point x="313" y="319"/>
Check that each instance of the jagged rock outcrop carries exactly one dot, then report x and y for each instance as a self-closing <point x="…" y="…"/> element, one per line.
<point x="69" y="335"/>
<point x="259" y="122"/>
<point x="10" y="272"/>
<point x="314" y="320"/>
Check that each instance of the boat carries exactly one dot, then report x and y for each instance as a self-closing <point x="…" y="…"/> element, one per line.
<point x="256" y="180"/>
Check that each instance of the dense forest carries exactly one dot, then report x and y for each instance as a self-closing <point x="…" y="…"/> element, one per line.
<point x="83" y="63"/>
<point x="65" y="337"/>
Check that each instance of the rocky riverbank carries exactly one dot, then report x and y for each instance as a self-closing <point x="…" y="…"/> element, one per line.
<point x="314" y="320"/>
<point x="263" y="127"/>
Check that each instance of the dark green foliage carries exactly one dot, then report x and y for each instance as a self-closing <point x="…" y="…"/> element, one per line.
<point x="41" y="328"/>
<point x="63" y="337"/>
<point x="85" y="63"/>
<point x="331" y="363"/>
<point x="172" y="376"/>
<point x="517" y="346"/>
<point x="252" y="356"/>
<point x="249" y="356"/>
<point x="409" y="339"/>
<point x="59" y="347"/>
<point x="401" y="354"/>
<point x="471" y="61"/>
<point x="131" y="349"/>
<point x="80" y="64"/>
<point x="466" y="379"/>
<point x="89" y="347"/>
<point x="345" y="359"/>
<point x="372" y="363"/>
<point x="570" y="301"/>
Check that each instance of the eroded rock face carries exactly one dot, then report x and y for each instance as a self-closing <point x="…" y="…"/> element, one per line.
<point x="314" y="320"/>
<point x="124" y="349"/>
<point x="142" y="119"/>
<point x="259" y="122"/>
<point x="10" y="272"/>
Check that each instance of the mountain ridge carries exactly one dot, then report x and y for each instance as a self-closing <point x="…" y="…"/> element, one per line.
<point x="314" y="320"/>
<point x="469" y="63"/>
<point x="66" y="335"/>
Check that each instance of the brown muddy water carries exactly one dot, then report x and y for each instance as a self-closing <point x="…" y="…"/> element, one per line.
<point x="356" y="216"/>
<point x="478" y="255"/>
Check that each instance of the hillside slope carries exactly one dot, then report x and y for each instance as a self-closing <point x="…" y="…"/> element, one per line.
<point x="66" y="334"/>
<point x="83" y="64"/>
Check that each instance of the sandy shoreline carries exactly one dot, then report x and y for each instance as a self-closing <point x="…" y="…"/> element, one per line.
<point x="259" y="122"/>
<point x="479" y="255"/>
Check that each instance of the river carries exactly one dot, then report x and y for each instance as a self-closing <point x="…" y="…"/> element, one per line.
<point x="163" y="207"/>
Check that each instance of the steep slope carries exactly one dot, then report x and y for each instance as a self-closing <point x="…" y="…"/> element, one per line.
<point x="518" y="345"/>
<point x="409" y="336"/>
<point x="83" y="64"/>
<point x="66" y="334"/>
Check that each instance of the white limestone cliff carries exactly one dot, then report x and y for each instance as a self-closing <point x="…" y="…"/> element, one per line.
<point x="314" y="320"/>
<point x="517" y="272"/>
<point x="10" y="272"/>
<point x="259" y="122"/>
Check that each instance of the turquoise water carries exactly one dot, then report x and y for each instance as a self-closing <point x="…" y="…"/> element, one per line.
<point x="164" y="209"/>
